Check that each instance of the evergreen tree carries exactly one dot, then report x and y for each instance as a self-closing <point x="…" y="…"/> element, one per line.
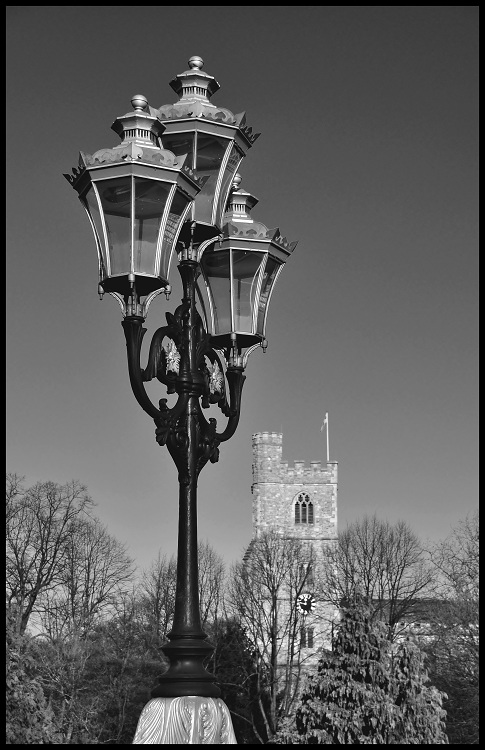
<point x="29" y="718"/>
<point x="419" y="718"/>
<point x="367" y="692"/>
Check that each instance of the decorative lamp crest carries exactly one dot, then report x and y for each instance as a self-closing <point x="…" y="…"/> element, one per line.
<point x="239" y="272"/>
<point x="215" y="139"/>
<point x="137" y="196"/>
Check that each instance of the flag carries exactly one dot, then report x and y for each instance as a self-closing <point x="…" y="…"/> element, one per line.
<point x="325" y="421"/>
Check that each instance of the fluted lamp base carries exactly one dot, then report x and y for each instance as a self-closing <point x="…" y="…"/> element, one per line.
<point x="189" y="720"/>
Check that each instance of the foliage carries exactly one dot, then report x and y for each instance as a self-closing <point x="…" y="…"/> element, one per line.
<point x="29" y="718"/>
<point x="419" y="718"/>
<point x="454" y="648"/>
<point x="85" y="678"/>
<point x="367" y="691"/>
<point x="235" y="668"/>
<point x="98" y="684"/>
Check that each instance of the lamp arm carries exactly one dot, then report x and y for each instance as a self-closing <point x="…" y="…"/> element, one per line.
<point x="134" y="333"/>
<point x="235" y="377"/>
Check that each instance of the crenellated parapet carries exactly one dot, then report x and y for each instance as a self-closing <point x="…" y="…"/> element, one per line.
<point x="269" y="466"/>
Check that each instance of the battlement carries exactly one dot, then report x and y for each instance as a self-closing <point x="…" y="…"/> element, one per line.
<point x="269" y="467"/>
<point x="316" y="472"/>
<point x="268" y="438"/>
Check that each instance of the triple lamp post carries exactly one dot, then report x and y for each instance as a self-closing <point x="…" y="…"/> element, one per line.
<point x="171" y="187"/>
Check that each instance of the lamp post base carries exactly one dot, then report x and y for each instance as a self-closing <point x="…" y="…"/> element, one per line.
<point x="189" y="720"/>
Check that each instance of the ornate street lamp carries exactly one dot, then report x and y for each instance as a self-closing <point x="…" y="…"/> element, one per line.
<point x="215" y="140"/>
<point x="164" y="189"/>
<point x="240" y="269"/>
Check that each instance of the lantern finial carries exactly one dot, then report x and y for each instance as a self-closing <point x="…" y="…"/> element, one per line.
<point x="196" y="62"/>
<point x="236" y="181"/>
<point x="139" y="103"/>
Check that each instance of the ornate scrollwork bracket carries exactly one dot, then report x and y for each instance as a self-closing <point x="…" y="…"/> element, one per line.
<point x="181" y="358"/>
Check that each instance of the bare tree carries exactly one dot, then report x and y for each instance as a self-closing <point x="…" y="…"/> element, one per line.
<point x="96" y="572"/>
<point x="211" y="584"/>
<point x="40" y="522"/>
<point x="263" y="594"/>
<point x="383" y="565"/>
<point x="157" y="593"/>
<point x="159" y="583"/>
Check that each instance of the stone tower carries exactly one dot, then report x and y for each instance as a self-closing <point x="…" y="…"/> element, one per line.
<point x="277" y="489"/>
<point x="298" y="502"/>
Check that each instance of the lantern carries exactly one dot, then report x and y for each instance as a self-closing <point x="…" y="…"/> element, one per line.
<point x="239" y="272"/>
<point x="215" y="140"/>
<point x="137" y="196"/>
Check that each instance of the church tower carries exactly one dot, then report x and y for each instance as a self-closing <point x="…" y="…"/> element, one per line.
<point x="298" y="502"/>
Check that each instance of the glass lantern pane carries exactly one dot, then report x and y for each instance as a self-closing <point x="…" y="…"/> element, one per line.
<point x="115" y="195"/>
<point x="215" y="267"/>
<point x="210" y="153"/>
<point x="245" y="277"/>
<point x="90" y="201"/>
<point x="270" y="271"/>
<point x="179" y="204"/>
<point x="150" y="201"/>
<point x="180" y="144"/>
<point x="231" y="167"/>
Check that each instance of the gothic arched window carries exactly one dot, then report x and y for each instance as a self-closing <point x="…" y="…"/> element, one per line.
<point x="303" y="509"/>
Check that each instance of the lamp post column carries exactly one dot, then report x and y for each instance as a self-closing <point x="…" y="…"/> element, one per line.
<point x="188" y="646"/>
<point x="185" y="706"/>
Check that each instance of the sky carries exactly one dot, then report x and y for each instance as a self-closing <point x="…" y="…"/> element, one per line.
<point x="367" y="156"/>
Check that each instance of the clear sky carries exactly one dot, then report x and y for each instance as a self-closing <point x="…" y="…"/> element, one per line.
<point x="368" y="157"/>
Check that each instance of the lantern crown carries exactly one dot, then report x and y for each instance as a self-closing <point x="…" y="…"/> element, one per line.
<point x="195" y="88"/>
<point x="139" y="131"/>
<point x="239" y="224"/>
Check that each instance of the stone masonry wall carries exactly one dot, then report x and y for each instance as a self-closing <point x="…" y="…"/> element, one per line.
<point x="276" y="486"/>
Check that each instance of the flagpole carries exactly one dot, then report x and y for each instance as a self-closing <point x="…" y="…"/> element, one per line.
<point x="325" y="423"/>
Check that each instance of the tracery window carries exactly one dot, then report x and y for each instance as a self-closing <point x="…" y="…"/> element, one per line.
<point x="303" y="509"/>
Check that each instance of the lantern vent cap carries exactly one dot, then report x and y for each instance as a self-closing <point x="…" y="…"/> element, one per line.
<point x="240" y="203"/>
<point x="141" y="125"/>
<point x="195" y="83"/>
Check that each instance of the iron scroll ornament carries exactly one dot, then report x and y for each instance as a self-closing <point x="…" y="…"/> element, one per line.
<point x="181" y="357"/>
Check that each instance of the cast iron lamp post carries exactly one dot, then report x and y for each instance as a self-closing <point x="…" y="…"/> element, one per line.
<point x="170" y="187"/>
